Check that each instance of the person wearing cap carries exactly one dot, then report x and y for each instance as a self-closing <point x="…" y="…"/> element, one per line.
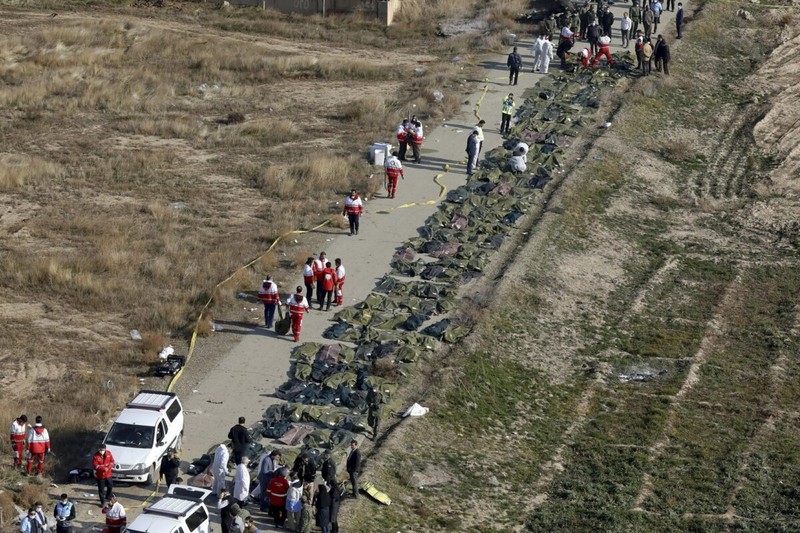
<point x="116" y="518"/>
<point x="19" y="429"/>
<point x="64" y="514"/>
<point x="103" y="465"/>
<point x="170" y="467"/>
<point x="505" y="116"/>
<point x="268" y="294"/>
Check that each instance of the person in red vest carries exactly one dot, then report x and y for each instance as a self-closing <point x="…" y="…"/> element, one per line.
<point x="402" y="130"/>
<point x="298" y="305"/>
<point x="340" y="273"/>
<point x="268" y="294"/>
<point x="584" y="56"/>
<point x="38" y="445"/>
<point x="277" y="489"/>
<point x="103" y="464"/>
<point x="328" y="284"/>
<point x="116" y="519"/>
<point x="394" y="171"/>
<point x="603" y="44"/>
<point x="318" y="266"/>
<point x="308" y="276"/>
<point x="353" y="207"/>
<point x="19" y="429"/>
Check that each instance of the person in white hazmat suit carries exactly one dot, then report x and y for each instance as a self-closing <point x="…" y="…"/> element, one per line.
<point x="536" y="50"/>
<point x="519" y="159"/>
<point x="546" y="55"/>
<point x="220" y="467"/>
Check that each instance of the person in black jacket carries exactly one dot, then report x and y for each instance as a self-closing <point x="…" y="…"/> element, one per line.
<point x="328" y="468"/>
<point x="354" y="465"/>
<point x="240" y="439"/>
<point x="226" y="502"/>
<point x="661" y="55"/>
<point x="336" y="498"/>
<point x="305" y="468"/>
<point x="323" y="502"/>
<point x="170" y="466"/>
<point x="514" y="64"/>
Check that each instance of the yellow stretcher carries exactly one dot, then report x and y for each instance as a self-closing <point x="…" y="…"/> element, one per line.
<point x="375" y="494"/>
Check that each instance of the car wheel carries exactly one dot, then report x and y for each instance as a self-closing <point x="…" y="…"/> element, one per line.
<point x="151" y="475"/>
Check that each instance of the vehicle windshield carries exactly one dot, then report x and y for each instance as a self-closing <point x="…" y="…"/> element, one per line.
<point x="130" y="436"/>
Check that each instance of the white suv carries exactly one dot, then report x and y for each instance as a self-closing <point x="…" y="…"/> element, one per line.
<point x="181" y="511"/>
<point x="149" y="425"/>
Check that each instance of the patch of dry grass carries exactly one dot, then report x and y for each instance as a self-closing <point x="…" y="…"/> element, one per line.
<point x="17" y="170"/>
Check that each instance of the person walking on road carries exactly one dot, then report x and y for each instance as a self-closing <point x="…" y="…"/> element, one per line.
<point x="353" y="207"/>
<point x="308" y="276"/>
<point x="298" y="306"/>
<point x="38" y="440"/>
<point x="656" y="7"/>
<point x="636" y="16"/>
<point x="514" y="63"/>
<point x="220" y="468"/>
<point x="340" y="275"/>
<point x="505" y="116"/>
<point x="103" y="464"/>
<point x="394" y="171"/>
<point x="268" y="294"/>
<point x="472" y="152"/>
<point x="547" y="55"/>
<point x="479" y="128"/>
<point x="354" y="466"/>
<point x="170" y="467"/>
<point x="240" y="440"/>
<point x="536" y="51"/>
<point x="647" y="21"/>
<point x="679" y="20"/>
<point x="64" y="514"/>
<point x="19" y="430"/>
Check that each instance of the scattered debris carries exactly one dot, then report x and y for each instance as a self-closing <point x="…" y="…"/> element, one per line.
<point x="416" y="410"/>
<point x="135" y="335"/>
<point x="166" y="352"/>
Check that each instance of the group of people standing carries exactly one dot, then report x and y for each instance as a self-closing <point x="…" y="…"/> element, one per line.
<point x="410" y="134"/>
<point x="294" y="495"/>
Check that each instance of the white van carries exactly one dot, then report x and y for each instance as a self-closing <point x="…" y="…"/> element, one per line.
<point x="181" y="511"/>
<point x="146" y="428"/>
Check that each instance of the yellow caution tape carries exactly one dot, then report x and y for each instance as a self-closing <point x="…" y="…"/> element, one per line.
<point x="477" y="111"/>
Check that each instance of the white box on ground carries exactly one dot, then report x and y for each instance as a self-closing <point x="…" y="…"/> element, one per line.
<point x="378" y="153"/>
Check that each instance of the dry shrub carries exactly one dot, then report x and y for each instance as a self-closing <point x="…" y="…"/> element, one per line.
<point x="31" y="492"/>
<point x="299" y="257"/>
<point x="370" y="112"/>
<point x="17" y="170"/>
<point x="386" y="368"/>
<point x="338" y="222"/>
<point x="258" y="133"/>
<point x="205" y="326"/>
<point x="166" y="127"/>
<point x="267" y="262"/>
<point x="152" y="343"/>
<point x="6" y="504"/>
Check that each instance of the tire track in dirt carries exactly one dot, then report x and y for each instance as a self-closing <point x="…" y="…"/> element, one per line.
<point x="713" y="330"/>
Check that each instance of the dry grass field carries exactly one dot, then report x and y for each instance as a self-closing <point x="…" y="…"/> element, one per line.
<point x="149" y="152"/>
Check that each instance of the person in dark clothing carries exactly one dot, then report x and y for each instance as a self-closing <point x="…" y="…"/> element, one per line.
<point x="240" y="440"/>
<point x="514" y="64"/>
<point x="353" y="466"/>
<point x="661" y="55"/>
<point x="323" y="502"/>
<point x="608" y="22"/>
<point x="374" y="401"/>
<point x="64" y="514"/>
<point x="305" y="468"/>
<point x="170" y="466"/>
<point x="592" y="34"/>
<point x="336" y="498"/>
<point x="328" y="468"/>
<point x="224" y="505"/>
<point x="679" y="20"/>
